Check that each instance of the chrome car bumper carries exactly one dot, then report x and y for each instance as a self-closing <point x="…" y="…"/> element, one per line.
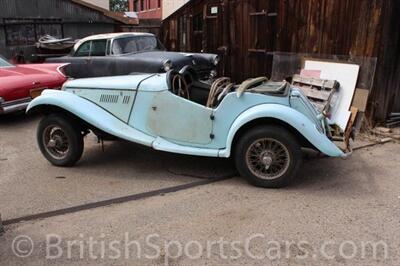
<point x="14" y="106"/>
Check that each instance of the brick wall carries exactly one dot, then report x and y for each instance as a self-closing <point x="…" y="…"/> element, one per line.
<point x="147" y="9"/>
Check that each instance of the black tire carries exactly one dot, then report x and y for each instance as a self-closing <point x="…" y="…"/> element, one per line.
<point x="278" y="170"/>
<point x="66" y="136"/>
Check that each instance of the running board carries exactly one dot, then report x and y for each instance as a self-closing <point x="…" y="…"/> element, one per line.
<point x="165" y="145"/>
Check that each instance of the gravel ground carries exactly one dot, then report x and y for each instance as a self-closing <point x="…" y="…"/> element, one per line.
<point x="29" y="184"/>
<point x="336" y="211"/>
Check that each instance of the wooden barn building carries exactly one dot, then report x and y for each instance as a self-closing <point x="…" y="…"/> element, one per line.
<point x="246" y="32"/>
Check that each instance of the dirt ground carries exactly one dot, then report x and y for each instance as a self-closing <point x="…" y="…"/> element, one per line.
<point x="336" y="212"/>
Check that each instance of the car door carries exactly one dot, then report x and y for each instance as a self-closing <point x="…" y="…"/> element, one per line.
<point x="90" y="60"/>
<point x="178" y="119"/>
<point x="100" y="64"/>
<point x="80" y="61"/>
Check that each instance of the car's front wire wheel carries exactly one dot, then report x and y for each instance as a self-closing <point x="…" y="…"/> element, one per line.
<point x="268" y="156"/>
<point x="59" y="140"/>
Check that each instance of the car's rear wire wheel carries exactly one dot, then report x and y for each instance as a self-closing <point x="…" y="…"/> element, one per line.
<point x="268" y="156"/>
<point x="60" y="140"/>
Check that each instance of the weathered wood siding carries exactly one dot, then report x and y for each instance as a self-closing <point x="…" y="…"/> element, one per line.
<point x="245" y="31"/>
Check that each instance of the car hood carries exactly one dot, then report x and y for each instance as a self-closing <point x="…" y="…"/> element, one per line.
<point x="129" y="82"/>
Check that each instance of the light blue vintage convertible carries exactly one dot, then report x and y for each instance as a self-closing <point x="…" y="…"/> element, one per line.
<point x="261" y="124"/>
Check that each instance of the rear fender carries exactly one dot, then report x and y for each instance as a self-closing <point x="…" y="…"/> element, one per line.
<point x="289" y="116"/>
<point x="91" y="114"/>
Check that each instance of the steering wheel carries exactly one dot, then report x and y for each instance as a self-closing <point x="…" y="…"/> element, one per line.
<point x="179" y="86"/>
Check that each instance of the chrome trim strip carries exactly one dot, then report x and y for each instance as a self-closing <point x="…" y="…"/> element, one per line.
<point x="59" y="68"/>
<point x="14" y="106"/>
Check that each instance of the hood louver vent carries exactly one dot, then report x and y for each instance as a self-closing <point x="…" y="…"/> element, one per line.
<point x="108" y="98"/>
<point x="126" y="99"/>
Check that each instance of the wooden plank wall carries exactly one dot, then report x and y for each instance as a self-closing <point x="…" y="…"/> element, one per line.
<point x="245" y="31"/>
<point x="385" y="97"/>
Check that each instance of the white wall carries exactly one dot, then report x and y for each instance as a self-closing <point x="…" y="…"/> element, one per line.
<point x="101" y="3"/>
<point x="170" y="6"/>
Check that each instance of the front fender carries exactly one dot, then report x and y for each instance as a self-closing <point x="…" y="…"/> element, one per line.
<point x="290" y="116"/>
<point x="90" y="113"/>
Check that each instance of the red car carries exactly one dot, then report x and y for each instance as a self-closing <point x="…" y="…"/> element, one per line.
<point x="19" y="84"/>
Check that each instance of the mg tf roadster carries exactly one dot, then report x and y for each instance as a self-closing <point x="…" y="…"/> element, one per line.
<point x="261" y="124"/>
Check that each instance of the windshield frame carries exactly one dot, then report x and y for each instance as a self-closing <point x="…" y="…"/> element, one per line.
<point x="8" y="64"/>
<point x="159" y="44"/>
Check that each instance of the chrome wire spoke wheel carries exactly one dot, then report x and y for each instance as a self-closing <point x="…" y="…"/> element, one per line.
<point x="267" y="158"/>
<point x="56" y="142"/>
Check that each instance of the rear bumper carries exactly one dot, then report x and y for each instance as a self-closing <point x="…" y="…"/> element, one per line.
<point x="14" y="106"/>
<point x="347" y="152"/>
<point x="347" y="155"/>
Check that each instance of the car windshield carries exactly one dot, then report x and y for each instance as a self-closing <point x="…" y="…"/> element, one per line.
<point x="4" y="63"/>
<point x="136" y="44"/>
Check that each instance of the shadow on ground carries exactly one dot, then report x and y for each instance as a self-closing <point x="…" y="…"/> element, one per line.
<point x="125" y="154"/>
<point x="16" y="119"/>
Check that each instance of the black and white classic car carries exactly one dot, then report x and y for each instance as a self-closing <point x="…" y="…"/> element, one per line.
<point x="126" y="53"/>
